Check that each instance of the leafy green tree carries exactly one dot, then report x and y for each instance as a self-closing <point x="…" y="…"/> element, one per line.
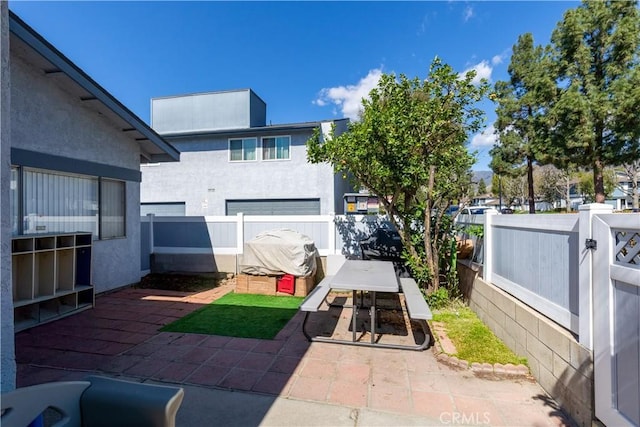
<point x="523" y="102"/>
<point x="595" y="120"/>
<point x="408" y="148"/>
<point x="482" y="187"/>
<point x="587" y="190"/>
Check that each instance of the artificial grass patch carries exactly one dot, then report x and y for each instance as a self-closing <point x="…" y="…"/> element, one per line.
<point x="473" y="340"/>
<point x="240" y="315"/>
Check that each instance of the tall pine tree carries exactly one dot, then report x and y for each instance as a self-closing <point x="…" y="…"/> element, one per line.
<point x="595" y="120"/>
<point x="523" y="103"/>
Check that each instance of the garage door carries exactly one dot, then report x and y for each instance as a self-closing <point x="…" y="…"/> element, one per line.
<point x="274" y="207"/>
<point x="162" y="209"/>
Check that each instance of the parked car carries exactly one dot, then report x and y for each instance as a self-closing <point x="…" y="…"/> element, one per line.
<point x="451" y="210"/>
<point x="506" y="211"/>
<point x="475" y="210"/>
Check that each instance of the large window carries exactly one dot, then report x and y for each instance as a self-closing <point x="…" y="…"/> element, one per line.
<point x="276" y="148"/>
<point x="51" y="202"/>
<point x="243" y="149"/>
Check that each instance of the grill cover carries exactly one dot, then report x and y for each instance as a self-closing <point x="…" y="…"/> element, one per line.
<point x="280" y="251"/>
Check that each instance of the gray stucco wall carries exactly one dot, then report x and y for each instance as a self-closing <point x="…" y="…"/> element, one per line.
<point x="7" y="344"/>
<point x="116" y="262"/>
<point x="47" y="119"/>
<point x="205" y="178"/>
<point x="235" y="109"/>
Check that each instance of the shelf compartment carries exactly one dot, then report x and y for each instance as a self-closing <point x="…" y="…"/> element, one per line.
<point x="44" y="268"/>
<point x="25" y="317"/>
<point x="65" y="241"/>
<point x="83" y="266"/>
<point x="68" y="303"/>
<point x="22" y="276"/>
<point x="45" y="243"/>
<point x="64" y="269"/>
<point x="49" y="309"/>
<point x="83" y="239"/>
<point x="85" y="296"/>
<point x="21" y="245"/>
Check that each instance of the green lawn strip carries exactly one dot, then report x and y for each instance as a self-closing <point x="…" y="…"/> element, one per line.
<point x="473" y="340"/>
<point x="240" y="315"/>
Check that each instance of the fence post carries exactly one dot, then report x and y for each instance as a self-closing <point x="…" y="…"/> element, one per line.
<point x="240" y="234"/>
<point x="332" y="233"/>
<point x="487" y="263"/>
<point x="151" y="240"/>
<point x="585" y="270"/>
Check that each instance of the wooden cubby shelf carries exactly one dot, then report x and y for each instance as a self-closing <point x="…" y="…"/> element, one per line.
<point x="51" y="277"/>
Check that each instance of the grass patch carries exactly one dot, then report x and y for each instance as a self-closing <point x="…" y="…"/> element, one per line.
<point x="473" y="340"/>
<point x="240" y="315"/>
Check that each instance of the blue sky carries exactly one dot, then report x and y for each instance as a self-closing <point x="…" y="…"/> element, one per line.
<point x="307" y="60"/>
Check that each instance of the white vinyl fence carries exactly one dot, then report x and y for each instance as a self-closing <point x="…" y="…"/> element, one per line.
<point x="534" y="258"/>
<point x="226" y="235"/>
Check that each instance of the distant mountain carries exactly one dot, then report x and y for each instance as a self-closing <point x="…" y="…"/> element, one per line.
<point x="485" y="175"/>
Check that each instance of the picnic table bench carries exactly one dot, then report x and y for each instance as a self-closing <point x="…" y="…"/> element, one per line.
<point x="314" y="300"/>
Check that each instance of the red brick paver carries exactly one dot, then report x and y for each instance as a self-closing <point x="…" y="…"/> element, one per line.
<point x="121" y="337"/>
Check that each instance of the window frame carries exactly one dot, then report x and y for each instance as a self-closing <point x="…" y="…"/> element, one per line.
<point x="243" y="140"/>
<point x="19" y="228"/>
<point x="275" y="138"/>
<point x="102" y="207"/>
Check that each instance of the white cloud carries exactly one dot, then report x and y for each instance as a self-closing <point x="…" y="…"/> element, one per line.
<point x="349" y="98"/>
<point x="497" y="60"/>
<point x="486" y="138"/>
<point x="483" y="71"/>
<point x="468" y="13"/>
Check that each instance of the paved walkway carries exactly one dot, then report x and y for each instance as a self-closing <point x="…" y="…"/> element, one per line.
<point x="273" y="382"/>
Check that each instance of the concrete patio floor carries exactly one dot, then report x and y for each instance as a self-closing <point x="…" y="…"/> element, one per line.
<point x="273" y="381"/>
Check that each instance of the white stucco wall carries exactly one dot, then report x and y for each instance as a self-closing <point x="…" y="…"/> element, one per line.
<point x="205" y="178"/>
<point x="47" y="119"/>
<point x="7" y="343"/>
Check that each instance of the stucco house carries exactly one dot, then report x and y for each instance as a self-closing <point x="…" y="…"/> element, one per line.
<point x="70" y="163"/>
<point x="233" y="161"/>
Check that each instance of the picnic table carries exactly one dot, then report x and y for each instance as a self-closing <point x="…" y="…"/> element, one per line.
<point x="372" y="277"/>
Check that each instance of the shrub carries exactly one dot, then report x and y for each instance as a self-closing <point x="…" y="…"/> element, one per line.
<point x="438" y="298"/>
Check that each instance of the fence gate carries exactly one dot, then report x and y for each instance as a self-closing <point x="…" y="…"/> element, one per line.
<point x="616" y="318"/>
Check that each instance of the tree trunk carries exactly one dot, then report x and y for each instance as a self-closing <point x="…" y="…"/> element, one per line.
<point x="532" y="199"/>
<point x="428" y="238"/>
<point x="598" y="181"/>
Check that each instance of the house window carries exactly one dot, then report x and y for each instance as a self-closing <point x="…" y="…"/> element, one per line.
<point x="52" y="202"/>
<point x="276" y="148"/>
<point x="112" y="209"/>
<point x="243" y="149"/>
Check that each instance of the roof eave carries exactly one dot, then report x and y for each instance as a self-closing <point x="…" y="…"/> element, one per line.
<point x="34" y="40"/>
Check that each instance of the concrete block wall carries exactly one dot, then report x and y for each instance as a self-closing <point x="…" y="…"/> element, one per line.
<point x="562" y="366"/>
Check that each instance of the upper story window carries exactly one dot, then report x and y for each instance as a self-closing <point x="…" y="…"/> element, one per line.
<point x="242" y="149"/>
<point x="276" y="148"/>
